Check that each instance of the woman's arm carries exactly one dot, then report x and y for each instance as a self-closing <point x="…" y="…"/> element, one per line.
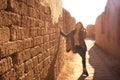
<point x="63" y="34"/>
<point x="66" y="35"/>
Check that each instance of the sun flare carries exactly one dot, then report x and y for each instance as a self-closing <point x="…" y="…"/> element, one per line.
<point x="85" y="11"/>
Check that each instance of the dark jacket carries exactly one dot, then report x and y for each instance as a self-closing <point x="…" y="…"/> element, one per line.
<point x="70" y="37"/>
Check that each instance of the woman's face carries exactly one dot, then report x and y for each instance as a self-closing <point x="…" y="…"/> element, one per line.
<point x="78" y="26"/>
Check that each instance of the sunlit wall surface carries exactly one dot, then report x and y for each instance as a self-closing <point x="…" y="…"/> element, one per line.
<point x="108" y="28"/>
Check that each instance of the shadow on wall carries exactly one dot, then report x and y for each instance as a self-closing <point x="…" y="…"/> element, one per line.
<point x="106" y="67"/>
<point x="51" y="70"/>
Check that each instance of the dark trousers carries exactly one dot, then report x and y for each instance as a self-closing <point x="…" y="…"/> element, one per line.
<point x="82" y="53"/>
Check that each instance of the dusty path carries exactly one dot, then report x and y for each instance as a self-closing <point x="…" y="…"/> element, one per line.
<point x="96" y="67"/>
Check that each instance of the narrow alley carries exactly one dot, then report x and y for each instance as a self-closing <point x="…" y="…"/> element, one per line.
<point x="32" y="46"/>
<point x="97" y="66"/>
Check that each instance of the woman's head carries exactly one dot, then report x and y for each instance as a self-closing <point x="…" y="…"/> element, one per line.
<point x="79" y="26"/>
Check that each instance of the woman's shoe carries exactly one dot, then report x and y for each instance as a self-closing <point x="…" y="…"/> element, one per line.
<point x="85" y="73"/>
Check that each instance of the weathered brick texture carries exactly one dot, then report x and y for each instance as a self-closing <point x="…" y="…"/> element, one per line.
<point x="108" y="28"/>
<point x="31" y="47"/>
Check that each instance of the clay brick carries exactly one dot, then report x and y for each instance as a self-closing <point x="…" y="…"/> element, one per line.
<point x="10" y="75"/>
<point x="13" y="32"/>
<point x="10" y="48"/>
<point x="37" y="14"/>
<point x="46" y="54"/>
<point x="33" y="32"/>
<point x="34" y="51"/>
<point x="47" y="24"/>
<point x="21" y="78"/>
<point x="39" y="31"/>
<point x="32" y="22"/>
<point x="42" y="14"/>
<point x="40" y="58"/>
<point x="41" y="23"/>
<point x="42" y="40"/>
<point x="4" y="18"/>
<point x="30" y="75"/>
<point x="10" y="62"/>
<point x="42" y="31"/>
<point x="19" y="45"/>
<point x="46" y="46"/>
<point x="37" y="77"/>
<point x="14" y="18"/>
<point x="20" y="70"/>
<point x="4" y="34"/>
<point x="47" y="10"/>
<point x="36" y="70"/>
<point x="8" y="18"/>
<point x="52" y="52"/>
<point x="24" y="9"/>
<point x="24" y="21"/>
<point x="43" y="55"/>
<point x="46" y="62"/>
<point x="44" y="73"/>
<point x="42" y="47"/>
<point x="32" y="12"/>
<point x="18" y="33"/>
<point x="38" y="50"/>
<point x="40" y="67"/>
<point x="17" y="58"/>
<point x="2" y="52"/>
<point x="37" y="3"/>
<point x="20" y="8"/>
<point x="28" y="65"/>
<point x="31" y="3"/>
<point x="26" y="55"/>
<point x="37" y="24"/>
<point x="46" y="38"/>
<point x="52" y="43"/>
<point x="37" y="41"/>
<point x="35" y="60"/>
<point x="27" y="43"/>
<point x="51" y="37"/>
<point x="48" y="17"/>
<point x="24" y="32"/>
<point x="5" y="65"/>
<point x="3" y="4"/>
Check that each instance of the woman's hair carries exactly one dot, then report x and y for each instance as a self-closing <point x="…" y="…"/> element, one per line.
<point x="80" y="24"/>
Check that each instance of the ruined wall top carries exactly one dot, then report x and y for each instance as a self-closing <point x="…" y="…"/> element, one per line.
<point x="56" y="8"/>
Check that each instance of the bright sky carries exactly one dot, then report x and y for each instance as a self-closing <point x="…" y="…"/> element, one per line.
<point x="85" y="11"/>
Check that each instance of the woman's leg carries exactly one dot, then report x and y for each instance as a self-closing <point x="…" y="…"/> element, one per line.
<point x="82" y="53"/>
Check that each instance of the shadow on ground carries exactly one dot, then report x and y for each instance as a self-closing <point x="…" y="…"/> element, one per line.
<point x="103" y="64"/>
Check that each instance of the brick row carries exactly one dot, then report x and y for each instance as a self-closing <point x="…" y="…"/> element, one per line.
<point x="5" y="65"/>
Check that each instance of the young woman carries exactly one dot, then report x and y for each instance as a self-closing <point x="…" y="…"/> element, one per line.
<point x="78" y="45"/>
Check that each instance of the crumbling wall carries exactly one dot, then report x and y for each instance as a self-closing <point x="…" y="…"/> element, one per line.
<point x="31" y="47"/>
<point x="90" y="29"/>
<point x="108" y="27"/>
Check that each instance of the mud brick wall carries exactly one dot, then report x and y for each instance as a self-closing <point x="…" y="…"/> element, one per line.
<point x="29" y="41"/>
<point x="90" y="29"/>
<point x="108" y="28"/>
<point x="31" y="47"/>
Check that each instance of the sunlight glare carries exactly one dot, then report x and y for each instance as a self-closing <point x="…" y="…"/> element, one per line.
<point x="85" y="11"/>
